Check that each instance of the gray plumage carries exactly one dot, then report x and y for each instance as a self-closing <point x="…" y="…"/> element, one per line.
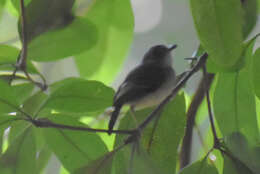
<point x="147" y="84"/>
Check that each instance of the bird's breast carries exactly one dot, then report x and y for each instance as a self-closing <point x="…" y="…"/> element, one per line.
<point x="157" y="96"/>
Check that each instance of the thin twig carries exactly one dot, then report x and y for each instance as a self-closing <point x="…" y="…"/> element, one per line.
<point x="44" y="123"/>
<point x="216" y="140"/>
<point x="23" y="55"/>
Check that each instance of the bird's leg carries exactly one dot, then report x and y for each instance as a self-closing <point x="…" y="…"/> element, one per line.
<point x="132" y="111"/>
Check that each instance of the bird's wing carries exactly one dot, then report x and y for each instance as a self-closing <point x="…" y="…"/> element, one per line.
<point x="140" y="82"/>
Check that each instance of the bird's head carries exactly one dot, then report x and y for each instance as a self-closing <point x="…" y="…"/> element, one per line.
<point x="160" y="55"/>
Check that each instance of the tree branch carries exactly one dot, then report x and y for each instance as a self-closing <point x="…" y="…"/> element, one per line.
<point x="216" y="140"/>
<point x="185" y="153"/>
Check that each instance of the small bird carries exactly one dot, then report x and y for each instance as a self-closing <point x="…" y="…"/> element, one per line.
<point x="148" y="84"/>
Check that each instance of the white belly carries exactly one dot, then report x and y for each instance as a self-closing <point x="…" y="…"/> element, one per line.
<point x="156" y="97"/>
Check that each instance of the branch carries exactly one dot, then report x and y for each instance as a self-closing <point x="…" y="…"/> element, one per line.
<point x="191" y="114"/>
<point x="216" y="140"/>
<point x="45" y="123"/>
<point x="22" y="57"/>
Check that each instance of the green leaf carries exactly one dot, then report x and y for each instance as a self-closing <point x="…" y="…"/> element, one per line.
<point x="7" y="98"/>
<point x="17" y="5"/>
<point x="234" y="102"/>
<point x="102" y="165"/>
<point x="256" y="72"/>
<point x="75" y="149"/>
<point x="23" y="91"/>
<point x="8" y="56"/>
<point x="233" y="166"/>
<point x="199" y="167"/>
<point x="45" y="15"/>
<point x="76" y="95"/>
<point x="20" y="157"/>
<point x="234" y="105"/>
<point x="115" y="27"/>
<point x="75" y="38"/>
<point x="249" y="15"/>
<point x="35" y="103"/>
<point x="168" y="133"/>
<point x="244" y="155"/>
<point x="43" y="158"/>
<point x="219" y="27"/>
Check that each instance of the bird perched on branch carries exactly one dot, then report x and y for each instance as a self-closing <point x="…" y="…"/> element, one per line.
<point x="147" y="84"/>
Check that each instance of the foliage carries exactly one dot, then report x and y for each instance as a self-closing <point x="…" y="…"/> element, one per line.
<point x="36" y="125"/>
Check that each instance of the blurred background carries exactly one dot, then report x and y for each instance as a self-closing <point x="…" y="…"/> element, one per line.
<point x="156" y="22"/>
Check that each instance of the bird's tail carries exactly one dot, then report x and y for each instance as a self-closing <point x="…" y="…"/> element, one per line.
<point x="113" y="118"/>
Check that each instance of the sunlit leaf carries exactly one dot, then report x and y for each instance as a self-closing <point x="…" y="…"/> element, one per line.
<point x="234" y="102"/>
<point x="219" y="27"/>
<point x="76" y="95"/>
<point x="256" y="73"/>
<point x="75" y="38"/>
<point x="8" y="57"/>
<point x="115" y="27"/>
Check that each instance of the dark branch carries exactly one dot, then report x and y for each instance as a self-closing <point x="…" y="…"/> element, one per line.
<point x="45" y="123"/>
<point x="216" y="140"/>
<point x="191" y="114"/>
<point x="21" y="63"/>
<point x="23" y="54"/>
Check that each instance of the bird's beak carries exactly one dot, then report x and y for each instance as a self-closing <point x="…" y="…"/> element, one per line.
<point x="172" y="47"/>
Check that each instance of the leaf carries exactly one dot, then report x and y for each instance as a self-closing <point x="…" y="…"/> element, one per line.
<point x="17" y="6"/>
<point x="74" y="149"/>
<point x="234" y="102"/>
<point x="232" y="166"/>
<point x="115" y="27"/>
<point x="199" y="167"/>
<point x="35" y="104"/>
<point x="169" y="132"/>
<point x="256" y="73"/>
<point x="7" y="98"/>
<point x="245" y="156"/>
<point x="20" y="157"/>
<point x="23" y="91"/>
<point x="43" y="158"/>
<point x="8" y="56"/>
<point x="102" y="165"/>
<point x="219" y="27"/>
<point x="249" y="15"/>
<point x="76" y="95"/>
<point x="75" y="38"/>
<point x="45" y="15"/>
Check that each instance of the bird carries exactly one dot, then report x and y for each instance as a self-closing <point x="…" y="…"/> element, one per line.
<point x="146" y="85"/>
